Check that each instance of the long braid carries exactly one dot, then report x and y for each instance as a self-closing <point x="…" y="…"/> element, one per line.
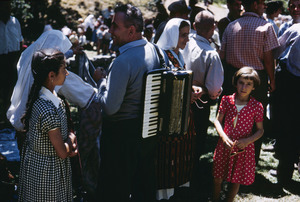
<point x="33" y="96"/>
<point x="43" y="62"/>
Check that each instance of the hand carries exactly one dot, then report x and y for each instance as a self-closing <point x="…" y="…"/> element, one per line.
<point x="242" y="143"/>
<point x="77" y="49"/>
<point x="228" y="142"/>
<point x="73" y="153"/>
<point x="74" y="148"/>
<point x="99" y="74"/>
<point x="272" y="86"/>
<point x="215" y="96"/>
<point x="197" y="93"/>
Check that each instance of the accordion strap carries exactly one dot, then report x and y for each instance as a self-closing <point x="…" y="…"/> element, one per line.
<point x="174" y="61"/>
<point x="161" y="59"/>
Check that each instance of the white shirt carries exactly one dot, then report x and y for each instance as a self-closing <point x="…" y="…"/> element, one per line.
<point x="10" y="35"/>
<point x="205" y="62"/>
<point x="66" y="31"/>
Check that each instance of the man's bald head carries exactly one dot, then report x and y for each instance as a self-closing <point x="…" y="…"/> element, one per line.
<point x="204" y="23"/>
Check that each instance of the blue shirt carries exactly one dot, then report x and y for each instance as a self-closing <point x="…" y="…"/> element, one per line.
<point x="121" y="94"/>
<point x="10" y="35"/>
<point x="290" y="44"/>
<point x="284" y="27"/>
<point x="276" y="28"/>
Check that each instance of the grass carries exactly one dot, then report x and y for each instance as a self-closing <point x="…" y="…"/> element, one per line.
<point x="264" y="188"/>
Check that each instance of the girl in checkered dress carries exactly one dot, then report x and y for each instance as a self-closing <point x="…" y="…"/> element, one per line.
<point x="45" y="172"/>
<point x="234" y="157"/>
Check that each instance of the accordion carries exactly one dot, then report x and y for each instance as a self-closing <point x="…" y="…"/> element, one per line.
<point x="166" y="104"/>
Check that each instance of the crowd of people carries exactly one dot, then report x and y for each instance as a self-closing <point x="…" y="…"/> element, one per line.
<point x="246" y="62"/>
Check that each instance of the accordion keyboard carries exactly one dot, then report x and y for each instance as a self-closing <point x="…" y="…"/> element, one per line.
<point x="151" y="104"/>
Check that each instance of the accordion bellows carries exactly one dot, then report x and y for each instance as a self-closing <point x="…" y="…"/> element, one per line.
<point x="166" y="114"/>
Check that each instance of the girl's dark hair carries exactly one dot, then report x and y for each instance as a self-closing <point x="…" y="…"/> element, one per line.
<point x="183" y="24"/>
<point x="43" y="62"/>
<point x="247" y="73"/>
<point x="133" y="16"/>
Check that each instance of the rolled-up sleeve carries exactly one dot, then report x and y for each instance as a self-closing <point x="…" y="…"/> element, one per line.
<point x="215" y="76"/>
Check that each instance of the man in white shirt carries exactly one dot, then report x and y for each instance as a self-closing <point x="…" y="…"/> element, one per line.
<point x="204" y="61"/>
<point x="11" y="38"/>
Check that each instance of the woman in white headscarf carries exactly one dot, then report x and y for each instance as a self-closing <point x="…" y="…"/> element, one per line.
<point x="50" y="39"/>
<point x="174" y="37"/>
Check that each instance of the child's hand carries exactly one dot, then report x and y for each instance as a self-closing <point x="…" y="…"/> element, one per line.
<point x="74" y="149"/>
<point x="73" y="153"/>
<point x="99" y="74"/>
<point x="228" y="142"/>
<point x="242" y="143"/>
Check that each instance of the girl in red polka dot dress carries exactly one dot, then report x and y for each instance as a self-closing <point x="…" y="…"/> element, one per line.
<point x="234" y="157"/>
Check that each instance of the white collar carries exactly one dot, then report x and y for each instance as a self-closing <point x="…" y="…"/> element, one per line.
<point x="201" y="39"/>
<point x="47" y="95"/>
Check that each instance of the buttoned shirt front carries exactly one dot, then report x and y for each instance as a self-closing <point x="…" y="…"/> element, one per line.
<point x="204" y="61"/>
<point x="10" y="35"/>
<point x="246" y="40"/>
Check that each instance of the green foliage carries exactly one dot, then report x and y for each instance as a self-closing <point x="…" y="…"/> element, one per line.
<point x="220" y="1"/>
<point x="21" y="10"/>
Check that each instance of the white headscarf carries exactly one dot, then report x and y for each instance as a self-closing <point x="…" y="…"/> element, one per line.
<point x="169" y="38"/>
<point x="50" y="39"/>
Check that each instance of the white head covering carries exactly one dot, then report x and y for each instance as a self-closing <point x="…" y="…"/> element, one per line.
<point x="169" y="38"/>
<point x="50" y="39"/>
<point x="77" y="91"/>
<point x="89" y="21"/>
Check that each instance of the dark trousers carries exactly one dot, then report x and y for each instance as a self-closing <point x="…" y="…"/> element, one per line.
<point x="287" y="109"/>
<point x="260" y="93"/>
<point x="8" y="78"/>
<point x="127" y="170"/>
<point x="201" y="122"/>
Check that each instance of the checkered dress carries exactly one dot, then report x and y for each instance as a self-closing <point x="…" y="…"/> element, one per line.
<point x="43" y="175"/>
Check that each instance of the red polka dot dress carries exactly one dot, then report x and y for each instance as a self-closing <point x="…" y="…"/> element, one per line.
<point x="239" y="168"/>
